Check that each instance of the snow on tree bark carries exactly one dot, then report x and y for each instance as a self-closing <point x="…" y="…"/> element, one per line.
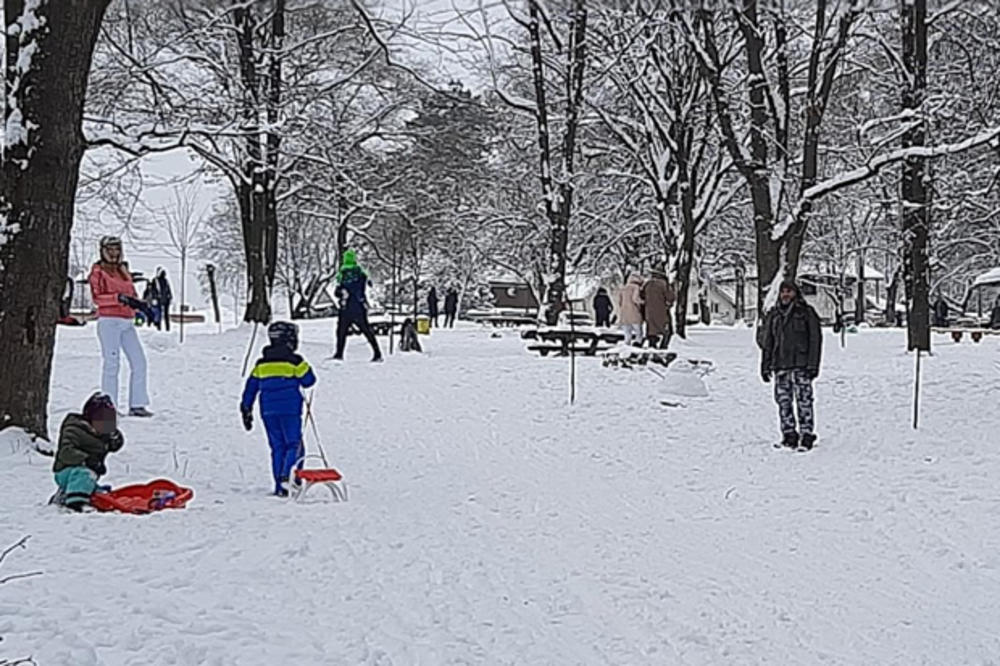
<point x="45" y="85"/>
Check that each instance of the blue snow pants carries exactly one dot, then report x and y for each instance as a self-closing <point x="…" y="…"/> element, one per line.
<point x="284" y="435"/>
<point x="76" y="485"/>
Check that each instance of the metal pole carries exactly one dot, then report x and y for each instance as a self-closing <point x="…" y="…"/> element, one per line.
<point x="916" y="392"/>
<point x="572" y="355"/>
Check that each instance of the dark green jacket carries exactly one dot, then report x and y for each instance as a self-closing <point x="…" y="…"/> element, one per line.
<point x="793" y="339"/>
<point x="80" y="445"/>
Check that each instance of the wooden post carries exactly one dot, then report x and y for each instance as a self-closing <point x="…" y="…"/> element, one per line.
<point x="210" y="270"/>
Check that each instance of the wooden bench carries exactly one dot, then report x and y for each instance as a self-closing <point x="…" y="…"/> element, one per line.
<point x="563" y="350"/>
<point x="975" y="333"/>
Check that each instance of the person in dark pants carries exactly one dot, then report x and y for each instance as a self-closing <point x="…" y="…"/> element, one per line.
<point x="166" y="296"/>
<point x="352" y="283"/>
<point x="791" y="347"/>
<point x="602" y="308"/>
<point x="941" y="312"/>
<point x="432" y="307"/>
<point x="450" y="307"/>
<point x="278" y="378"/>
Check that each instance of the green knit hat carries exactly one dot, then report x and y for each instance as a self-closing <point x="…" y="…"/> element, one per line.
<point x="350" y="259"/>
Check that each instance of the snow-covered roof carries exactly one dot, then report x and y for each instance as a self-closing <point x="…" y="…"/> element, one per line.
<point x="990" y="277"/>
<point x="579" y="287"/>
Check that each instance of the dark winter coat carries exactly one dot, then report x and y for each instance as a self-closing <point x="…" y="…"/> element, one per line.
<point x="658" y="297"/>
<point x="82" y="446"/>
<point x="602" y="306"/>
<point x="995" y="317"/>
<point x="793" y="339"/>
<point x="451" y="302"/>
<point x="432" y="303"/>
<point x="163" y="289"/>
<point x="941" y="313"/>
<point x="279" y="376"/>
<point x="352" y="289"/>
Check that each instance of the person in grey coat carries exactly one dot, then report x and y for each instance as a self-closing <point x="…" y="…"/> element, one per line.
<point x="791" y="350"/>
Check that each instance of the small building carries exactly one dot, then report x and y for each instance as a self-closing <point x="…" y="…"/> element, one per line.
<point x="513" y="294"/>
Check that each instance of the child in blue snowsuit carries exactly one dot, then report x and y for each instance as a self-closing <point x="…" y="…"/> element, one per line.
<point x="279" y="377"/>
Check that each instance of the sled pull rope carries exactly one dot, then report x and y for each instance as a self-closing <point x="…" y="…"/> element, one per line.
<point x="311" y="420"/>
<point x="246" y="359"/>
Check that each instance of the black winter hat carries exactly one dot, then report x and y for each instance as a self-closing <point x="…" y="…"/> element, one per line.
<point x="284" y="333"/>
<point x="100" y="407"/>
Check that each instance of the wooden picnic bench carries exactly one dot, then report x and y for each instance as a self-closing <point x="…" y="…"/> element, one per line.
<point x="975" y="333"/>
<point x="564" y="341"/>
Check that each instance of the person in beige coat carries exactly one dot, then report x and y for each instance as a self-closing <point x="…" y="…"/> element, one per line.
<point x="630" y="309"/>
<point x="658" y="297"/>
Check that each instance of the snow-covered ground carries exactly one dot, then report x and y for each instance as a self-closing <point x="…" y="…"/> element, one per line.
<point x="491" y="523"/>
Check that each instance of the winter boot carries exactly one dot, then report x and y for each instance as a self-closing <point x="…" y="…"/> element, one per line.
<point x="140" y="411"/>
<point x="790" y="440"/>
<point x="807" y="442"/>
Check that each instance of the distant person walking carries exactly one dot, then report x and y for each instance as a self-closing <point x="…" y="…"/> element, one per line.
<point x="450" y="307"/>
<point x="432" y="307"/>
<point x="352" y="286"/>
<point x="166" y="296"/>
<point x="791" y="351"/>
<point x="151" y="294"/>
<point x="602" y="308"/>
<point x="114" y="295"/>
<point x="941" y="312"/>
<point x="630" y="309"/>
<point x="658" y="297"/>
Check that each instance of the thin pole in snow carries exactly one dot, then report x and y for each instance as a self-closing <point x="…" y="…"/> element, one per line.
<point x="916" y="392"/>
<point x="572" y="355"/>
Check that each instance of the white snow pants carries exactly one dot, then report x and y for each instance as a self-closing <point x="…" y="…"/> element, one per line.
<point x="632" y="333"/>
<point x="116" y="335"/>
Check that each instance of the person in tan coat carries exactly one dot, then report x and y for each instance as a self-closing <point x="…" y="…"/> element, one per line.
<point x="630" y="309"/>
<point x="658" y="296"/>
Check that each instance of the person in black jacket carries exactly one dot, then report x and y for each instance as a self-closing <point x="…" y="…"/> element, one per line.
<point x="352" y="285"/>
<point x="166" y="296"/>
<point x="602" y="308"/>
<point x="432" y="307"/>
<point x="792" y="345"/>
<point x="450" y="307"/>
<point x="941" y="312"/>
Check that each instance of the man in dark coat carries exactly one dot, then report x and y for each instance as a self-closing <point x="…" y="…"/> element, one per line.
<point x="352" y="285"/>
<point x="792" y="345"/>
<point x="602" y="308"/>
<point x="432" y="307"/>
<point x="166" y="296"/>
<point x="941" y="312"/>
<point x="450" y="307"/>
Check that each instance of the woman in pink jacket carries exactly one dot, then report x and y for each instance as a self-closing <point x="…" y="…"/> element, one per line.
<point x="115" y="297"/>
<point x="630" y="309"/>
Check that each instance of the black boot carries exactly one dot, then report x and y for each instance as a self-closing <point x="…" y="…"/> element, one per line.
<point x="790" y="440"/>
<point x="807" y="441"/>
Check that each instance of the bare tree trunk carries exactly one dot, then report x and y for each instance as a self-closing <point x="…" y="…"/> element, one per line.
<point x="183" y="290"/>
<point x="37" y="195"/>
<point x="914" y="194"/>
<point x="251" y="191"/>
<point x="558" y="201"/>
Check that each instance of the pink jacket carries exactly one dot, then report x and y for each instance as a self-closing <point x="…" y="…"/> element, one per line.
<point x="104" y="289"/>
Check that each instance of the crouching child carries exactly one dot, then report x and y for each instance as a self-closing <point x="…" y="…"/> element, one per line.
<point x="85" y="440"/>
<point x="279" y="377"/>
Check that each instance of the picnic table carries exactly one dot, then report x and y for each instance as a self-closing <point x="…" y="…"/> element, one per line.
<point x="629" y="357"/>
<point x="975" y="333"/>
<point x="564" y="341"/>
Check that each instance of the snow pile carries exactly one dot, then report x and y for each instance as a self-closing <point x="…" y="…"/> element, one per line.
<point x="683" y="379"/>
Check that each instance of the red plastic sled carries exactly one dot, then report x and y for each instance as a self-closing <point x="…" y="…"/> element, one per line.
<point x="143" y="497"/>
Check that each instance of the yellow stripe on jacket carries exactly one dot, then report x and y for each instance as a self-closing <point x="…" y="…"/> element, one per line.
<point x="282" y="369"/>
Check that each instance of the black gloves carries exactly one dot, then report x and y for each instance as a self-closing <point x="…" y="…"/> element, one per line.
<point x="96" y="466"/>
<point x="115" y="440"/>
<point x="765" y="375"/>
<point x="247" y="419"/>
<point x="813" y="373"/>
<point x="136" y="304"/>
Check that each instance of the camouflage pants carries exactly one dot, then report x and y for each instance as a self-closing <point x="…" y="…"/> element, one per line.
<point x="794" y="386"/>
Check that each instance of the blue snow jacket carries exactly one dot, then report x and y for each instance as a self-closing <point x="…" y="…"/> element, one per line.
<point x="279" y="376"/>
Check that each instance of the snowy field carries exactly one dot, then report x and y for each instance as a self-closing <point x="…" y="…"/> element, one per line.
<point x="491" y="523"/>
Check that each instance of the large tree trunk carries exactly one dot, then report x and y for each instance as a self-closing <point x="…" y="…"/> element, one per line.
<point x="914" y="194"/>
<point x="40" y="173"/>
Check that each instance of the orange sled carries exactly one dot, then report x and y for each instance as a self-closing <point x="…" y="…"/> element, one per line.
<point x="143" y="497"/>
